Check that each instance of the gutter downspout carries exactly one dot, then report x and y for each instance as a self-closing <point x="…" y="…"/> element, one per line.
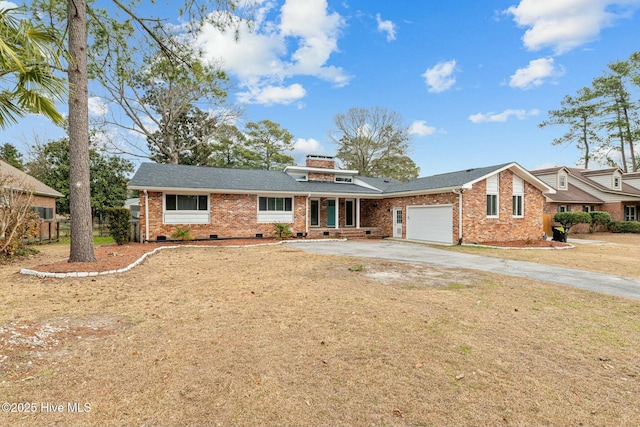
<point x="460" y="233"/>
<point x="146" y="216"/>
<point x="306" y="215"/>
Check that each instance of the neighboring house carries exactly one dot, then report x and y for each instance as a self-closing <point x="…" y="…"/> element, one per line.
<point x="44" y="198"/>
<point x="609" y="190"/>
<point x="133" y="205"/>
<point x="497" y="203"/>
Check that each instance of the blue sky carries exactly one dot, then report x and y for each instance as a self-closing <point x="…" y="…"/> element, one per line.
<point x="473" y="79"/>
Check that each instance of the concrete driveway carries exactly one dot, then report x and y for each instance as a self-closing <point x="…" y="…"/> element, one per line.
<point x="411" y="252"/>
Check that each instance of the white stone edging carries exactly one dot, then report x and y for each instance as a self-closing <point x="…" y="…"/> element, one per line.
<point x="43" y="274"/>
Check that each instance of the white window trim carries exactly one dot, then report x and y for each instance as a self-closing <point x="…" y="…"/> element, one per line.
<point x="319" y="210"/>
<point x="203" y="215"/>
<point x="497" y="194"/>
<point x="566" y="181"/>
<point x="269" y="217"/>
<point x="629" y="208"/>
<point x="613" y="184"/>
<point x="521" y="205"/>
<point x="353" y="213"/>
<point x="344" y="179"/>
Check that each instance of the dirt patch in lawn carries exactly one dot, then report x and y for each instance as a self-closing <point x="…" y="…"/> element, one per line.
<point x="276" y="336"/>
<point x="612" y="253"/>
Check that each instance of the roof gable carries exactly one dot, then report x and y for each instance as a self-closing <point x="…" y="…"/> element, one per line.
<point x="29" y="182"/>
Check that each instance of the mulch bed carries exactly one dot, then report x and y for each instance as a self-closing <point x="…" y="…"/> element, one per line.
<point x="525" y="244"/>
<point x="113" y="257"/>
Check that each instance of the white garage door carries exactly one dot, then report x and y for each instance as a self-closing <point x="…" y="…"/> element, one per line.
<point x="430" y="223"/>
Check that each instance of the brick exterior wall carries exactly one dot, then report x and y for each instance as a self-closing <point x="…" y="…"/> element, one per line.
<point x="475" y="224"/>
<point x="234" y="215"/>
<point x="316" y="176"/>
<point x="379" y="213"/>
<point x="477" y="227"/>
<point x="312" y="162"/>
<point x="231" y="215"/>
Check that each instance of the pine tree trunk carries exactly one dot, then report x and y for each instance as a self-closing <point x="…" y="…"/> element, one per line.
<point x="79" y="180"/>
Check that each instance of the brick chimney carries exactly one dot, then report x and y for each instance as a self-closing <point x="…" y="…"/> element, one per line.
<point x="325" y="162"/>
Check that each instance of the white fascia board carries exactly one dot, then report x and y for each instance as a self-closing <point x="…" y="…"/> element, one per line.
<point x="320" y="170"/>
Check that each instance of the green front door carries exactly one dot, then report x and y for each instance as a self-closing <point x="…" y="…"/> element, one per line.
<point x="331" y="213"/>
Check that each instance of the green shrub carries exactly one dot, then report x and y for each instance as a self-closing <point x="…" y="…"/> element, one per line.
<point x="599" y="218"/>
<point x="569" y="219"/>
<point x="281" y="231"/>
<point x="182" y="234"/>
<point x="624" y="227"/>
<point x="118" y="220"/>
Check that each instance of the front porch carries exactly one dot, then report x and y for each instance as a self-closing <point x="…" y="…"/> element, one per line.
<point x="340" y="217"/>
<point x="345" y="233"/>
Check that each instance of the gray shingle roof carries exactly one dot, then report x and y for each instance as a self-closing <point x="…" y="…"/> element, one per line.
<point x="157" y="175"/>
<point x="166" y="176"/>
<point x="445" y="180"/>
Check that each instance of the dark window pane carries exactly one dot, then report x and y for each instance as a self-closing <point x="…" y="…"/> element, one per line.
<point x="288" y="204"/>
<point x="187" y="203"/>
<point x="170" y="202"/>
<point x="262" y="203"/>
<point x="202" y="203"/>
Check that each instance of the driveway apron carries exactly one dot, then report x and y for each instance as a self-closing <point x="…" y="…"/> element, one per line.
<point x="418" y="253"/>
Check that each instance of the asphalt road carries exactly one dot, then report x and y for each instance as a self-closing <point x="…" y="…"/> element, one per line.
<point x="411" y="252"/>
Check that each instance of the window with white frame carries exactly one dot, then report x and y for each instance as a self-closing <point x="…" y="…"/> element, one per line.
<point x="616" y="183"/>
<point x="279" y="204"/>
<point x="562" y="181"/>
<point x="630" y="213"/>
<point x="562" y="208"/>
<point x="186" y="209"/>
<point x="275" y="209"/>
<point x="518" y="196"/>
<point x="343" y="179"/>
<point x="492" y="196"/>
<point x="186" y="202"/>
<point x="588" y="208"/>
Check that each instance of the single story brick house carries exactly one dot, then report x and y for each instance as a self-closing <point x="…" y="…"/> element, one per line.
<point x="497" y="203"/>
<point x="44" y="198"/>
<point x="609" y="190"/>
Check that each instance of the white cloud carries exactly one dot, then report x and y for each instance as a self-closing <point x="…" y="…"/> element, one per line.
<point x="7" y="5"/>
<point x="535" y="73"/>
<point x="269" y="95"/>
<point x="303" y="147"/>
<point x="387" y="27"/>
<point x="299" y="42"/>
<point x="420" y="128"/>
<point x="440" y="78"/>
<point x="504" y="116"/>
<point x="567" y="24"/>
<point x="97" y="108"/>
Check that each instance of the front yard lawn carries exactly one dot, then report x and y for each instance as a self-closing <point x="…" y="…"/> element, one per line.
<point x="617" y="254"/>
<point x="275" y="336"/>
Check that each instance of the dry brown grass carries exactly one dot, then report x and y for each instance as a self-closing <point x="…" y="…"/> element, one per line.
<point x="617" y="255"/>
<point x="275" y="336"/>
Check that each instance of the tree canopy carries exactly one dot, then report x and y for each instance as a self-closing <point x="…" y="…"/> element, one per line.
<point x="375" y="142"/>
<point x="115" y="37"/>
<point x="603" y="120"/>
<point x="30" y="54"/>
<point x="269" y="142"/>
<point x="50" y="163"/>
